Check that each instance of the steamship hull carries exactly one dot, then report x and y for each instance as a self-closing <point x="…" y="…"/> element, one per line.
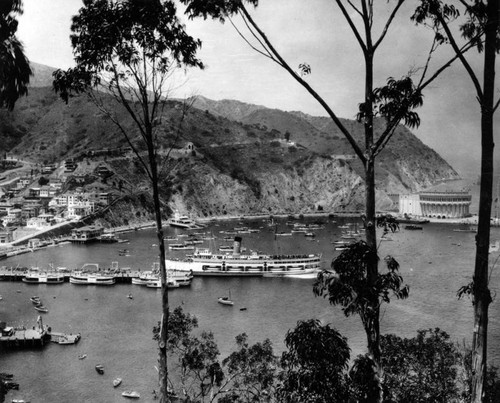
<point x="205" y="263"/>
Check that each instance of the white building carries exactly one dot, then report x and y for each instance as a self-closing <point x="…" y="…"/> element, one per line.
<point x="440" y="204"/>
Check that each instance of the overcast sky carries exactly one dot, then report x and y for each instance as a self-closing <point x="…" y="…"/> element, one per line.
<point x="314" y="32"/>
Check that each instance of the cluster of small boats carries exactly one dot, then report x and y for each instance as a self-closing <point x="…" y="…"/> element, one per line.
<point x="38" y="305"/>
<point x="116" y="382"/>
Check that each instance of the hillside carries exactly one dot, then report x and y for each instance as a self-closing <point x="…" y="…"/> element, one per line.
<point x="241" y="163"/>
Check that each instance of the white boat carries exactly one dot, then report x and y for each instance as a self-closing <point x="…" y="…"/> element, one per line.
<point x="181" y="277"/>
<point x="89" y="275"/>
<point x="494" y="247"/>
<point x="205" y="263"/>
<point x="226" y="300"/>
<point x="181" y="221"/>
<point x="66" y="339"/>
<point x="132" y="394"/>
<point x="41" y="308"/>
<point x="157" y="284"/>
<point x="181" y="247"/>
<point x="37" y="277"/>
<point x="117" y="382"/>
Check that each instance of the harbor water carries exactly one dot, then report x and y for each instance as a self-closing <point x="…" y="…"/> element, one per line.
<point x="117" y="331"/>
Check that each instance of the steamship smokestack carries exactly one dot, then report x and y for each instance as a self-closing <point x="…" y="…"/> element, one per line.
<point x="237" y="246"/>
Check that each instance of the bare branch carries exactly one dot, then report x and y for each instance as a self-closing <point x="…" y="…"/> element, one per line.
<point x="388" y="24"/>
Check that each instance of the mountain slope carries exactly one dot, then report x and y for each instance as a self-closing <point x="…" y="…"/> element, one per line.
<point x="241" y="163"/>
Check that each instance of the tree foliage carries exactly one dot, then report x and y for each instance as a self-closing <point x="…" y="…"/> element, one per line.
<point x="314" y="369"/>
<point x="15" y="70"/>
<point x="347" y="285"/>
<point x="251" y="372"/>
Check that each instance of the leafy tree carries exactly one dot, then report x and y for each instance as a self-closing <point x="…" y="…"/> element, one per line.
<point x="394" y="103"/>
<point x="314" y="369"/>
<point x="43" y="181"/>
<point x="246" y="375"/>
<point x="15" y="70"/>
<point x="251" y="372"/>
<point x="421" y="369"/>
<point x="480" y="27"/>
<point x="349" y="285"/>
<point x="128" y="51"/>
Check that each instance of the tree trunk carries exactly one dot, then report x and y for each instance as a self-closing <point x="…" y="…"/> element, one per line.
<point x="372" y="325"/>
<point x="481" y="293"/>
<point x="162" y="343"/>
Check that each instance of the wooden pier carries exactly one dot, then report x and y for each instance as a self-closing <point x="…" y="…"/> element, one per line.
<point x="24" y="337"/>
<point x="36" y="337"/>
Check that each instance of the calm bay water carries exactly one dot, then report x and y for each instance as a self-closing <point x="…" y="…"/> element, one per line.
<point x="117" y="331"/>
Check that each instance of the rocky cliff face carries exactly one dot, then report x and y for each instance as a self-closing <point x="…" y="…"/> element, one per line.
<point x="324" y="185"/>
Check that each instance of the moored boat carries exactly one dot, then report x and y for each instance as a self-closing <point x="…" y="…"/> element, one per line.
<point x="181" y="221"/>
<point x="89" y="275"/>
<point x="36" y="277"/>
<point x="41" y="308"/>
<point x="181" y="277"/>
<point x="205" y="263"/>
<point x="225" y="301"/>
<point x="132" y="394"/>
<point x="117" y="382"/>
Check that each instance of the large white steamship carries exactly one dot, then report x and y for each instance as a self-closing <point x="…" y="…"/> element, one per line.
<point x="205" y="263"/>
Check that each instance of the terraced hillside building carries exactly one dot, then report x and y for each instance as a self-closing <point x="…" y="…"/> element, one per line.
<point x="439" y="204"/>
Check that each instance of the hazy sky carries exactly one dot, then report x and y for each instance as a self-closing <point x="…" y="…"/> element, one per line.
<point x="312" y="31"/>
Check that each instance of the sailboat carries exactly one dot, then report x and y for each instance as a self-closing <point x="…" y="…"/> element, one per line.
<point x="226" y="300"/>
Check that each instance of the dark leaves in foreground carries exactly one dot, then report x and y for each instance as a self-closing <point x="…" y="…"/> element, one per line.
<point x="348" y="283"/>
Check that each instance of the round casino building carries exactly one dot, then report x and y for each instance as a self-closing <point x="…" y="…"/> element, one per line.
<point x="438" y="204"/>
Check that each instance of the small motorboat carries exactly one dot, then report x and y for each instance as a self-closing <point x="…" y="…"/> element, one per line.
<point x="99" y="368"/>
<point x="132" y="394"/>
<point x="117" y="382"/>
<point x="41" y="308"/>
<point x="225" y="301"/>
<point x="82" y="356"/>
<point x="35" y="300"/>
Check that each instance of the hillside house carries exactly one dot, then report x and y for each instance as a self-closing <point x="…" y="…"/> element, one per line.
<point x="45" y="191"/>
<point x="24" y="182"/>
<point x="43" y="221"/>
<point x="29" y="211"/>
<point x="5" y="207"/>
<point x="6" y="237"/>
<point x="70" y="165"/>
<point x="34" y="192"/>
<point x="80" y="209"/>
<point x="59" y="201"/>
<point x="56" y="183"/>
<point x="48" y="169"/>
<point x="13" y="217"/>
